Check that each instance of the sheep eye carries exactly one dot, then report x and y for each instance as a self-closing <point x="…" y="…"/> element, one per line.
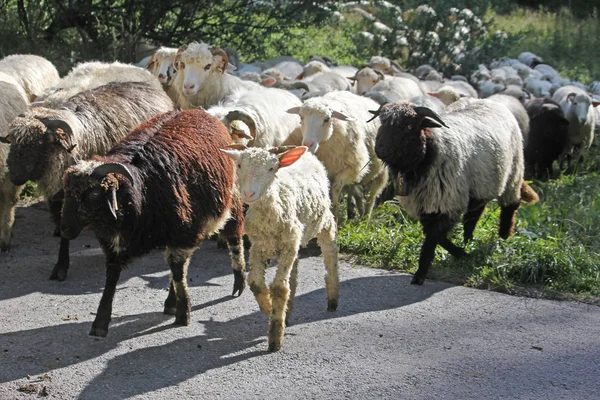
<point x="207" y="67"/>
<point x="271" y="169"/>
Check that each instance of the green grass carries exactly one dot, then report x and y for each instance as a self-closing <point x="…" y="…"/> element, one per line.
<point x="556" y="247"/>
<point x="567" y="43"/>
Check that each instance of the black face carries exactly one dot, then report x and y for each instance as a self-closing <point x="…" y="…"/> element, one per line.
<point x="78" y="212"/>
<point x="27" y="162"/>
<point x="400" y="147"/>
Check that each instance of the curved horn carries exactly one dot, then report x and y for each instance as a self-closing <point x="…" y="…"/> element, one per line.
<point x="281" y="149"/>
<point x="180" y="50"/>
<point x="378" y="72"/>
<point x="375" y="112"/>
<point x="217" y="51"/>
<point x="300" y="85"/>
<point x="113" y="168"/>
<point x="54" y="123"/>
<point x="429" y="113"/>
<point x="395" y="64"/>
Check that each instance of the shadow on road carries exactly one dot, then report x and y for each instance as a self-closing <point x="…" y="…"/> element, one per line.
<point x="147" y="369"/>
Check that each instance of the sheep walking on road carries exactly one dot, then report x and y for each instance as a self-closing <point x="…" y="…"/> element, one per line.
<point x="287" y="192"/>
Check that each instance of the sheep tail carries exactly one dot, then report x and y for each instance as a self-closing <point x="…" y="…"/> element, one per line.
<point x="528" y="195"/>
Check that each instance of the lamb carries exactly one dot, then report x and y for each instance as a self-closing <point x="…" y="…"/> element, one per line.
<point x="44" y="141"/>
<point x="33" y="73"/>
<point x="287" y="192"/>
<point x="334" y="129"/>
<point x="201" y="79"/>
<point x="158" y="187"/>
<point x="13" y="102"/>
<point x="91" y="75"/>
<point x="161" y="64"/>
<point x="264" y="112"/>
<point x="548" y="137"/>
<point x="518" y="111"/>
<point x="455" y="165"/>
<point x="578" y="108"/>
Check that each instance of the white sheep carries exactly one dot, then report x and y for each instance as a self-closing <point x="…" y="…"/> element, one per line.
<point x="578" y="108"/>
<point x="13" y="101"/>
<point x="91" y="75"/>
<point x="334" y="128"/>
<point x="202" y="79"/>
<point x="452" y="165"/>
<point x="33" y="73"/>
<point x="288" y="204"/>
<point x="518" y="111"/>
<point x="161" y="64"/>
<point x="397" y="89"/>
<point x="538" y="87"/>
<point x="264" y="111"/>
<point x="530" y="59"/>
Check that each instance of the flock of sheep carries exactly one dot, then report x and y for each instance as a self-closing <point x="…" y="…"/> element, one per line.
<point x="167" y="155"/>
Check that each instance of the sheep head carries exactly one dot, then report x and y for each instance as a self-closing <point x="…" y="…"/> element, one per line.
<point x="579" y="106"/>
<point x="257" y="167"/>
<point x="92" y="191"/>
<point x="162" y="64"/>
<point x="366" y="78"/>
<point x="405" y="134"/>
<point x="197" y="62"/>
<point x="317" y="121"/>
<point x="38" y="142"/>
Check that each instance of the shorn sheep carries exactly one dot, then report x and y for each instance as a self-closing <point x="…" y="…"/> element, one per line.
<point x="548" y="137"/>
<point x="452" y="166"/>
<point x="287" y="192"/>
<point x="578" y="107"/>
<point x="90" y="75"/>
<point x="13" y="101"/>
<point x="202" y="79"/>
<point x="159" y="172"/>
<point x="46" y="141"/>
<point x="33" y="73"/>
<point x="334" y="128"/>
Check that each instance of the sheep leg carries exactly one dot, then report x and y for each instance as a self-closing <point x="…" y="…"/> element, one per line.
<point x="293" y="285"/>
<point x="280" y="293"/>
<point x="507" y="220"/>
<point x="9" y="194"/>
<point x="374" y="189"/>
<point x="55" y="204"/>
<point x="178" y="260"/>
<point x="256" y="280"/>
<point x="171" y="301"/>
<point x="471" y="217"/>
<point x="327" y="242"/>
<point x="436" y="227"/>
<point x="59" y="272"/>
<point x="234" y="233"/>
<point x="336" y="190"/>
<point x="114" y="266"/>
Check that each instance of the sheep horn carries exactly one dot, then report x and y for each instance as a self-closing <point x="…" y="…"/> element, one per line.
<point x="180" y="50"/>
<point x="113" y="168"/>
<point x="281" y="149"/>
<point x="237" y="146"/>
<point x="300" y="85"/>
<point x="376" y="112"/>
<point x="429" y="113"/>
<point x="378" y="72"/>
<point x="217" y="51"/>
<point x="395" y="64"/>
<point x="53" y="124"/>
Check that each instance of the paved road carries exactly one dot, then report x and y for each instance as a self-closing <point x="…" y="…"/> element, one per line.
<point x="388" y="339"/>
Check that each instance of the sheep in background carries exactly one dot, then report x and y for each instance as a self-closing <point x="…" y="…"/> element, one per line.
<point x="91" y="75"/>
<point x="447" y="94"/>
<point x="33" y="73"/>
<point x="396" y="89"/>
<point x="517" y="92"/>
<point x="548" y="137"/>
<point x="161" y="64"/>
<point x="452" y="166"/>
<point x="578" y="108"/>
<point x="530" y="59"/>
<point x="13" y="102"/>
<point x="488" y="88"/>
<point x="538" y="87"/>
<point x="202" y="80"/>
<point x="517" y="110"/>
<point x="287" y="192"/>
<point x="161" y="171"/>
<point x="45" y="142"/>
<point x="264" y="112"/>
<point x="334" y="128"/>
<point x="318" y="79"/>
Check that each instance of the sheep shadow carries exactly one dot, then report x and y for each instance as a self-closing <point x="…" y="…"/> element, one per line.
<point x="222" y="343"/>
<point x="26" y="268"/>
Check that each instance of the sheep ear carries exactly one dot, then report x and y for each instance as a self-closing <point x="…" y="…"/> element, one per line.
<point x="233" y="154"/>
<point x="236" y="146"/>
<point x="434" y="94"/>
<point x="430" y="115"/>
<point x="294" y="110"/>
<point x="429" y="123"/>
<point x="38" y="103"/>
<point x="291" y="156"/>
<point x="340" y="116"/>
<point x="268" y="81"/>
<point x="595" y="103"/>
<point x="300" y="77"/>
<point x="571" y="96"/>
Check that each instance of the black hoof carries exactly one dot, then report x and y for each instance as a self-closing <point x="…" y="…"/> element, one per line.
<point x="5" y="248"/>
<point x="182" y="321"/>
<point x="239" y="283"/>
<point x="332" y="305"/>
<point x="59" y="273"/>
<point x="170" y="310"/>
<point x="101" y="332"/>
<point x="417" y="280"/>
<point x="274" y="347"/>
